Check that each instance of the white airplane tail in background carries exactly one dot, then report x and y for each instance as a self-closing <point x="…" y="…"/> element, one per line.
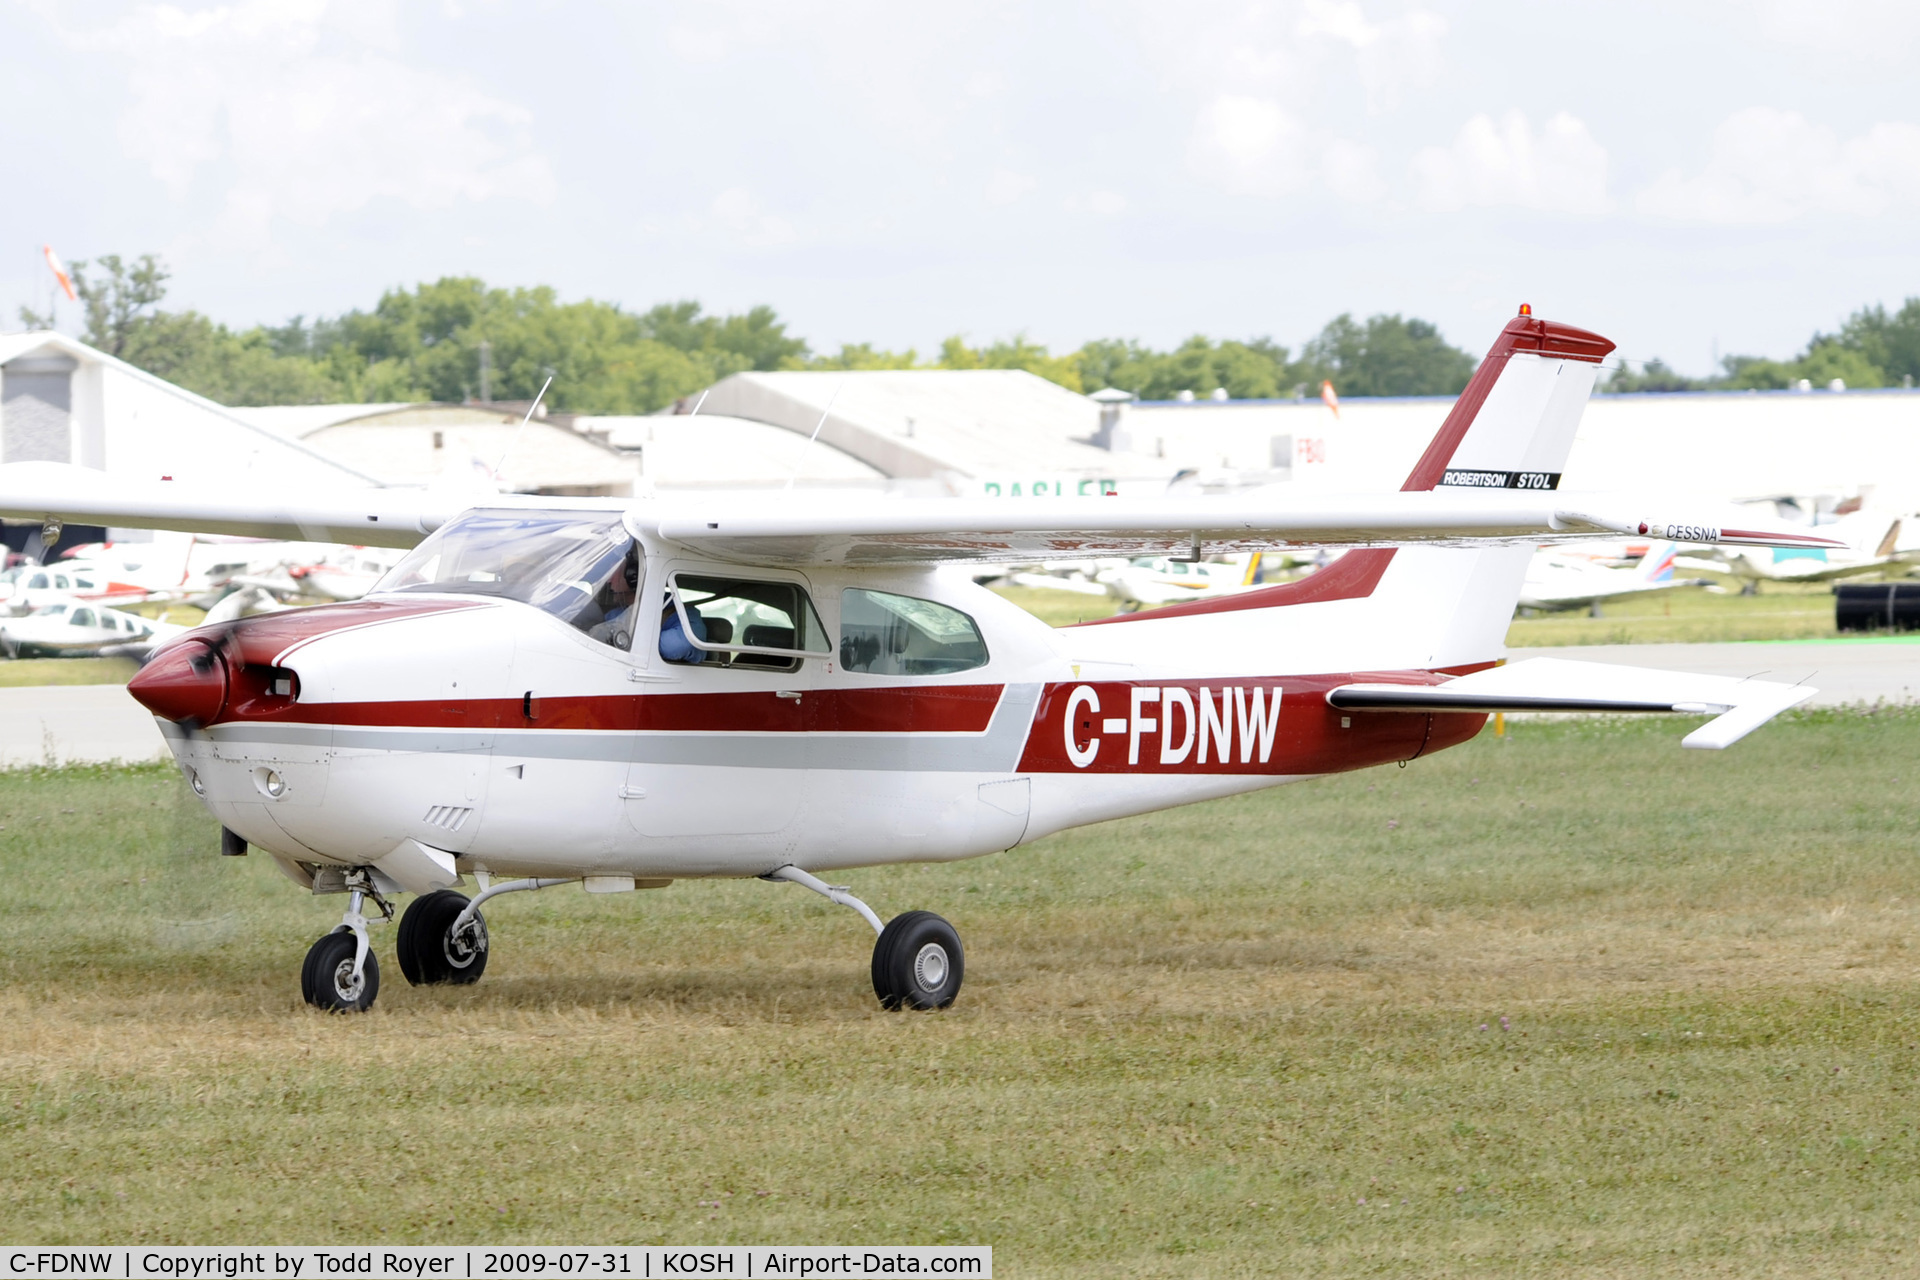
<point x="1426" y="607"/>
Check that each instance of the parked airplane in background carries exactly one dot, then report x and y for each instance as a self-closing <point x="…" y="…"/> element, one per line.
<point x="623" y="693"/>
<point x="1873" y="537"/>
<point x="1149" y="581"/>
<point x="1564" y="582"/>
<point x="76" y="629"/>
<point x="27" y="587"/>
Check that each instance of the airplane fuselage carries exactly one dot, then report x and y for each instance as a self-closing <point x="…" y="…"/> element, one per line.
<point x="492" y="731"/>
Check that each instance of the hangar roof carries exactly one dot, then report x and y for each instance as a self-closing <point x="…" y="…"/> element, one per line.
<point x="932" y="422"/>
<point x="677" y="451"/>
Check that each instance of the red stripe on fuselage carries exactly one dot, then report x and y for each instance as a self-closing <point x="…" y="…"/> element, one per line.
<point x="898" y="709"/>
<point x="1353" y="576"/>
<point x="1117" y="732"/>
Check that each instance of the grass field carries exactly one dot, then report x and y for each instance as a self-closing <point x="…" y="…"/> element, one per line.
<point x="43" y="671"/>
<point x="1572" y="1002"/>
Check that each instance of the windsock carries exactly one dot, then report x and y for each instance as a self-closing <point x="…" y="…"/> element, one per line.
<point x="59" y="272"/>
<point x="1327" y="396"/>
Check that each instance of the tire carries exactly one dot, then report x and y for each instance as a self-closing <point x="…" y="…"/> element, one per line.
<point x="428" y="954"/>
<point x="917" y="962"/>
<point x="325" y="979"/>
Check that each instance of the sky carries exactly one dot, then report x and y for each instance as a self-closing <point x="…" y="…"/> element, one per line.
<point x="1691" y="178"/>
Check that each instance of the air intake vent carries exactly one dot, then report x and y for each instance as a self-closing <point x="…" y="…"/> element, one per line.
<point x="447" y="817"/>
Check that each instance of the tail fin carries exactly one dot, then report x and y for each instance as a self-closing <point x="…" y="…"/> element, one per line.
<point x="1657" y="565"/>
<point x="1512" y="428"/>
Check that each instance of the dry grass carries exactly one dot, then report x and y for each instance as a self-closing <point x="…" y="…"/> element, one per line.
<point x="1240" y="1039"/>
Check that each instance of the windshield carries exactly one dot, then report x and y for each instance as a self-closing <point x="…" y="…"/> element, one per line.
<point x="559" y="561"/>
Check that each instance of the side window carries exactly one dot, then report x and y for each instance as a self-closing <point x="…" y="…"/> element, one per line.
<point x="887" y="635"/>
<point x="37" y="583"/>
<point x="740" y="622"/>
<point x="81" y="618"/>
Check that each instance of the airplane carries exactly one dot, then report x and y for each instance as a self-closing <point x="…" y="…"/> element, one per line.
<point x="1872" y="538"/>
<point x="1556" y="581"/>
<point x="26" y="587"/>
<point x="622" y="693"/>
<point x="78" y="629"/>
<point x="1148" y="581"/>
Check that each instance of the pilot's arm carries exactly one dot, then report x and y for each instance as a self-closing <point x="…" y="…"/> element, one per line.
<point x="674" y="645"/>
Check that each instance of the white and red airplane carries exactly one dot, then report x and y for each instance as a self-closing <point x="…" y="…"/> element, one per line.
<point x="626" y="692"/>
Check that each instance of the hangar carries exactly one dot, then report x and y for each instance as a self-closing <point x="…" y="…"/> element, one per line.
<point x="64" y="401"/>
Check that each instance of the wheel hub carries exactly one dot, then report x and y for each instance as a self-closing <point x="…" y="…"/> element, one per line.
<point x="462" y="948"/>
<point x="930" y="967"/>
<point x="346" y="983"/>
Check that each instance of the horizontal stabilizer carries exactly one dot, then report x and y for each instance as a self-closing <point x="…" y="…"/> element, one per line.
<point x="1555" y="684"/>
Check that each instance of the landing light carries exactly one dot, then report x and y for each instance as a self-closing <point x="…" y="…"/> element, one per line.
<point x="271" y="784"/>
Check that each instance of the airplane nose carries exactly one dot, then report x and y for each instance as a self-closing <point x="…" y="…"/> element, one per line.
<point x="186" y="683"/>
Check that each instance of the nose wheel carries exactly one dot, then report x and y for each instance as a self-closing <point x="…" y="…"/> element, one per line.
<point x="332" y="980"/>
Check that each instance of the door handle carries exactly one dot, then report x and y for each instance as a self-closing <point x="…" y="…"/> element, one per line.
<point x="788" y="693"/>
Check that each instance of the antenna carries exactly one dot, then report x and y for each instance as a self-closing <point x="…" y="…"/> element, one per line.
<point x="801" y="456"/>
<point x="515" y="439"/>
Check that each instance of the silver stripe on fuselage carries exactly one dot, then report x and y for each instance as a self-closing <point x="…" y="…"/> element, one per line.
<point x="997" y="750"/>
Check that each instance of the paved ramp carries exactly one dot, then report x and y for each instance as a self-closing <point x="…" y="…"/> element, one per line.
<point x="66" y="724"/>
<point x="1844" y="671"/>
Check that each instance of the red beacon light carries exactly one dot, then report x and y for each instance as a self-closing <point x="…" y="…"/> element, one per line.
<point x="1526" y="308"/>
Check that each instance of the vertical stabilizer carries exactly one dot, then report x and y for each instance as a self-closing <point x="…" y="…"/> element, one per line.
<point x="1512" y="428"/>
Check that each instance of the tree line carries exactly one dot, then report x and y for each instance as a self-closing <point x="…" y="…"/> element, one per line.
<point x="458" y="339"/>
<point x="444" y="340"/>
<point x="1871" y="349"/>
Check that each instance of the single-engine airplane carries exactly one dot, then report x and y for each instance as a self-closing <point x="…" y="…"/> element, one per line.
<point x="623" y="693"/>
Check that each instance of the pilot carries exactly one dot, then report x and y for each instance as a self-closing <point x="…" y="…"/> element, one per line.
<point x="674" y="645"/>
<point x="615" y="602"/>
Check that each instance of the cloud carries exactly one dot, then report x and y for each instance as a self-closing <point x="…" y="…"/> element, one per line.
<point x="1255" y="146"/>
<point x="1392" y="55"/>
<point x="1866" y="31"/>
<point x="1768" y="167"/>
<point x="1108" y="204"/>
<point x="1560" y="168"/>
<point x="1007" y="187"/>
<point x="1250" y="144"/>
<point x="306" y="109"/>
<point x="740" y="211"/>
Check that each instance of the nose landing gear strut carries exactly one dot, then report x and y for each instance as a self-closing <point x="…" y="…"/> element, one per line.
<point x="341" y="974"/>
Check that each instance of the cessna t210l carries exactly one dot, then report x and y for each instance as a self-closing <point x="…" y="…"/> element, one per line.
<point x="625" y="693"/>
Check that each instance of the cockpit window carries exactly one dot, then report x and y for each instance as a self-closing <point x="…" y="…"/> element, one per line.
<point x="580" y="566"/>
<point x="884" y="634"/>
<point x="740" y="622"/>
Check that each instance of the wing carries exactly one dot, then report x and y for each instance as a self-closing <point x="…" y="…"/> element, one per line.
<point x="53" y="491"/>
<point x="884" y="532"/>
<point x="1556" y="684"/>
<point x="802" y="531"/>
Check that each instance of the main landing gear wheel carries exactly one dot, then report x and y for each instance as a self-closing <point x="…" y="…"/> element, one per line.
<point x="431" y="952"/>
<point x="917" y="963"/>
<point x="327" y="979"/>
